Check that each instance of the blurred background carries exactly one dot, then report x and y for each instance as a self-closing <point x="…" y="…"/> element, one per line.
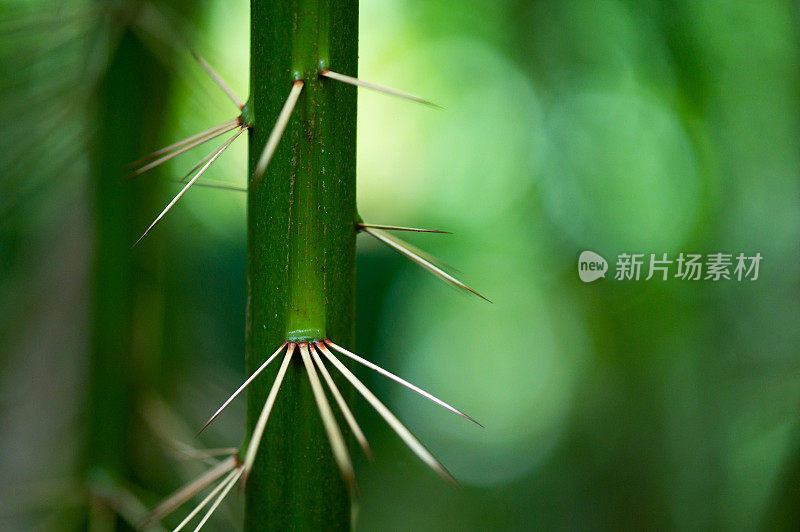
<point x="616" y="126"/>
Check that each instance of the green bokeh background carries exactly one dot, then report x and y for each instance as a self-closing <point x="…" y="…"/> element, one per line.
<point x="613" y="126"/>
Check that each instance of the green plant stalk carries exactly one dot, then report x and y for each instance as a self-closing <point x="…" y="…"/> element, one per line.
<point x="126" y="287"/>
<point x="300" y="249"/>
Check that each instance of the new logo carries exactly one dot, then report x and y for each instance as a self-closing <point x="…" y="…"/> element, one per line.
<point x="591" y="266"/>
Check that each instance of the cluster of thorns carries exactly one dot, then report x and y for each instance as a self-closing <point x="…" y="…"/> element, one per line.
<point x="224" y="474"/>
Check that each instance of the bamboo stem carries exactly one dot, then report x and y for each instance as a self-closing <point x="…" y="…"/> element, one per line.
<point x="127" y="296"/>
<point x="301" y="250"/>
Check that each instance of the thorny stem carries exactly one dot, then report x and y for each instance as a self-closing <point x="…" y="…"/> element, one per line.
<point x="301" y="250"/>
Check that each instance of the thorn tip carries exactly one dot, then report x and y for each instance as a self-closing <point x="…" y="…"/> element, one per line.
<point x="409" y="252"/>
<point x="219" y="151"/>
<point x="364" y="227"/>
<point x="374" y="86"/>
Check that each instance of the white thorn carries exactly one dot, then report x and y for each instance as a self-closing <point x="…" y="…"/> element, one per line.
<point x="191" y="182"/>
<point x="218" y="80"/>
<point x="227" y="126"/>
<point x="278" y="129"/>
<point x="183" y="494"/>
<point x="195" y="142"/>
<point x="255" y="374"/>
<point x="189" y="453"/>
<point x="205" y="501"/>
<point x="401" y="430"/>
<point x="261" y="424"/>
<point x="219" y="185"/>
<point x="335" y="437"/>
<point x="374" y="86"/>
<point x="219" y="499"/>
<point x="346" y="412"/>
<point x="401" y="381"/>
<point x="401" y="228"/>
<point x="403" y="248"/>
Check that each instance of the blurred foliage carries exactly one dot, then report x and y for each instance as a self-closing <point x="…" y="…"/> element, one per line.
<point x="616" y="126"/>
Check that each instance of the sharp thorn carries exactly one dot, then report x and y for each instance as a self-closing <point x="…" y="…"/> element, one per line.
<point x="362" y="227"/>
<point x="417" y="251"/>
<point x="241" y="388"/>
<point x="180" y="143"/>
<point x="219" y="185"/>
<point x="183" y="494"/>
<point x="202" y="504"/>
<point x="380" y="88"/>
<point x="220" y="497"/>
<point x="218" y="80"/>
<point x="407" y="250"/>
<point x="191" y="182"/>
<point x="278" y="129"/>
<point x="200" y="163"/>
<point x="193" y="141"/>
<point x="204" y="454"/>
<point x="400" y="381"/>
<point x="346" y="412"/>
<point x="175" y="153"/>
<point x="258" y="431"/>
<point x="410" y="440"/>
<point x="332" y="429"/>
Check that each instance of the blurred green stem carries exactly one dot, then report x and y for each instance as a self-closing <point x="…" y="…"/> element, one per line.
<point x="127" y="298"/>
<point x="300" y="249"/>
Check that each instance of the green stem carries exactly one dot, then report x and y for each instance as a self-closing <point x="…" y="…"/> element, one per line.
<point x="301" y="249"/>
<point x="127" y="290"/>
